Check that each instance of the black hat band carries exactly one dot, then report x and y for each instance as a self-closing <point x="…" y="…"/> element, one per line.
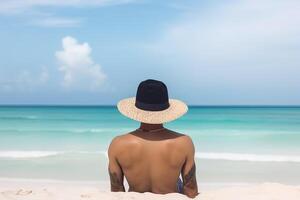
<point x="152" y="107"/>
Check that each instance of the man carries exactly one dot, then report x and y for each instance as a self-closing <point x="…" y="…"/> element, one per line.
<point x="152" y="158"/>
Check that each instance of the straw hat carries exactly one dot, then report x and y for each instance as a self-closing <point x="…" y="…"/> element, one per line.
<point x="152" y="104"/>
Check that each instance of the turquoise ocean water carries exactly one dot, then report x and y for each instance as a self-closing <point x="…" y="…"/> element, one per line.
<point x="233" y="144"/>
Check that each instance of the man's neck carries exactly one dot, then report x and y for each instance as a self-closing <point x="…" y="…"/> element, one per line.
<point x="151" y="127"/>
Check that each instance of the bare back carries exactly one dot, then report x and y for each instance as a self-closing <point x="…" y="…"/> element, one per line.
<point x="152" y="161"/>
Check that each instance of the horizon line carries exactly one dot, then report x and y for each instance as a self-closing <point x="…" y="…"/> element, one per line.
<point x="114" y="105"/>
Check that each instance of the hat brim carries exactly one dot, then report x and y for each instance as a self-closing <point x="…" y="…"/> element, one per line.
<point x="176" y="109"/>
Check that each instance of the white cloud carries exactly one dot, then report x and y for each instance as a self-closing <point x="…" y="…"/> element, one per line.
<point x="249" y="42"/>
<point x="56" y="22"/>
<point x="18" y="6"/>
<point x="37" y="11"/>
<point x="77" y="66"/>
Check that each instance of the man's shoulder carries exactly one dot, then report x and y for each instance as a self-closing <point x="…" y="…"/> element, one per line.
<point x="129" y="140"/>
<point x="124" y="139"/>
<point x="182" y="144"/>
<point x="181" y="136"/>
<point x="122" y="143"/>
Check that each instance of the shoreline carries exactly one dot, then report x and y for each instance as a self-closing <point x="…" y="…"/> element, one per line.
<point x="105" y="184"/>
<point x="59" y="189"/>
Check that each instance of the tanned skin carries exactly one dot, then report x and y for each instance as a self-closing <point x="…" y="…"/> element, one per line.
<point x="152" y="158"/>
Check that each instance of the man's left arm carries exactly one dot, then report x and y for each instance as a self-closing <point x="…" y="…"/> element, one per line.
<point x="115" y="171"/>
<point x="188" y="173"/>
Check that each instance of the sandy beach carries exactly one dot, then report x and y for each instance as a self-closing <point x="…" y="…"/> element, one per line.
<point x="252" y="154"/>
<point x="50" y="190"/>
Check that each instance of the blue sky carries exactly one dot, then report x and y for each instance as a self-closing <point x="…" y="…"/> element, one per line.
<point x="97" y="51"/>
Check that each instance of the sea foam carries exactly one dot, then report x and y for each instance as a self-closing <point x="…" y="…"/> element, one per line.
<point x="199" y="155"/>
<point x="27" y="154"/>
<point x="42" y="154"/>
<point x="247" y="157"/>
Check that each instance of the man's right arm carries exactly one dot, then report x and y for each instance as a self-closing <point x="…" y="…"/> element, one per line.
<point x="115" y="171"/>
<point x="188" y="173"/>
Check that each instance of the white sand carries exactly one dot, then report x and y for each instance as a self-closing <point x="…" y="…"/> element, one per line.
<point x="25" y="190"/>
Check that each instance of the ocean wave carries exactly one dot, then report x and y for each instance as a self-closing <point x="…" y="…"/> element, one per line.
<point x="93" y="130"/>
<point x="26" y="117"/>
<point x="27" y="154"/>
<point x="247" y="157"/>
<point x="238" y="132"/>
<point x="199" y="155"/>
<point x="42" y="154"/>
<point x="67" y="130"/>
